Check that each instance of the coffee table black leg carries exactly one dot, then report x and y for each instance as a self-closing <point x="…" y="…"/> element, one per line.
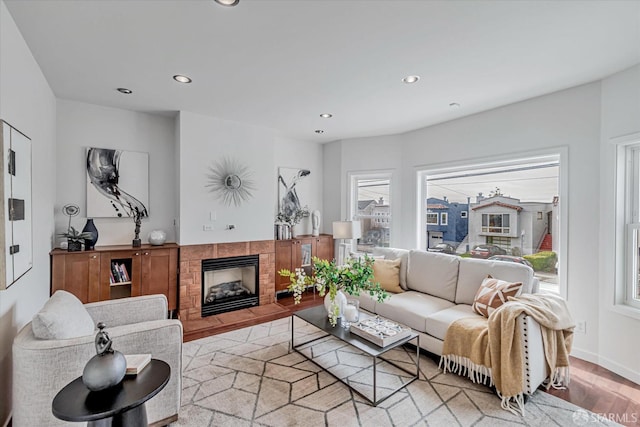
<point x="134" y="417"/>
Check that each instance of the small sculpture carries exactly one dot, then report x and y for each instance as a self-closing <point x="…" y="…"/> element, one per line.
<point x="107" y="368"/>
<point x="137" y="219"/>
<point x="315" y="223"/>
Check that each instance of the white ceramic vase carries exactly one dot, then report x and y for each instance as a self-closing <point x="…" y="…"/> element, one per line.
<point x="340" y="301"/>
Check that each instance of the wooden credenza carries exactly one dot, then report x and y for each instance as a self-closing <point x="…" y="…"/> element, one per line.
<point x="89" y="275"/>
<point x="299" y="253"/>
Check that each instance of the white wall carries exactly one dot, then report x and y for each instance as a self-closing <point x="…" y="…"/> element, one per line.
<point x="568" y="120"/>
<point x="205" y="140"/>
<point x="82" y="125"/>
<point x="619" y="345"/>
<point x="27" y="103"/>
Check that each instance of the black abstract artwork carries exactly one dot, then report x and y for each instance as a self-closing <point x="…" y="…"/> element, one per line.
<point x="117" y="183"/>
<point x="291" y="190"/>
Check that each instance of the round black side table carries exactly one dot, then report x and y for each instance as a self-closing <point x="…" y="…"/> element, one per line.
<point x="122" y="405"/>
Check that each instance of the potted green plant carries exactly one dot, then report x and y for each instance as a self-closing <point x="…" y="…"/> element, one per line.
<point x="75" y="239"/>
<point x="329" y="279"/>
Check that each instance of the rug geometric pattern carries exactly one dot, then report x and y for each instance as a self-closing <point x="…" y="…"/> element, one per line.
<point x="249" y="377"/>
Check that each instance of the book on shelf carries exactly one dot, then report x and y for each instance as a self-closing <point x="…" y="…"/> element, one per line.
<point x="125" y="273"/>
<point x="111" y="278"/>
<point x="116" y="272"/>
<point x="136" y="363"/>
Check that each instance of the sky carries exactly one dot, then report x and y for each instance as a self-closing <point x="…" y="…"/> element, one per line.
<point x="529" y="183"/>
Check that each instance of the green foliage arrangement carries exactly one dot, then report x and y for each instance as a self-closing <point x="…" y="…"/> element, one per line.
<point x="293" y="218"/>
<point x="74" y="235"/>
<point x="543" y="261"/>
<point x="354" y="277"/>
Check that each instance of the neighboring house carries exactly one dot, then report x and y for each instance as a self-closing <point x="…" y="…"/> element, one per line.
<point x="518" y="227"/>
<point x="375" y="218"/>
<point x="447" y="222"/>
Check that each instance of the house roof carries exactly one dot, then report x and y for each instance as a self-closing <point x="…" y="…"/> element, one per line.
<point x="436" y="206"/>
<point x="504" y="205"/>
<point x="363" y="204"/>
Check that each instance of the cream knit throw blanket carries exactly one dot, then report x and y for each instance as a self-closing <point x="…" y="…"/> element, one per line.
<point x="492" y="349"/>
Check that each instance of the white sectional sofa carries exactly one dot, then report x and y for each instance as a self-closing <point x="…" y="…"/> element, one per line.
<point x="440" y="289"/>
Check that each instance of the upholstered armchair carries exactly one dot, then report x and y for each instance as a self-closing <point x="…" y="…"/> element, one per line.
<point x="52" y="350"/>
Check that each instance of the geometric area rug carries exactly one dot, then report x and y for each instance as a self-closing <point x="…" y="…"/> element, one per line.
<point x="249" y="377"/>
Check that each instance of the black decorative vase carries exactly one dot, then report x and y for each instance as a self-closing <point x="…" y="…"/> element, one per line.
<point x="90" y="227"/>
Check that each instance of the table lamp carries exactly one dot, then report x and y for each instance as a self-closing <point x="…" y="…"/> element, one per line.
<point x="345" y="230"/>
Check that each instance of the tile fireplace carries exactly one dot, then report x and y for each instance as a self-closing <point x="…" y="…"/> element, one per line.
<point x="230" y="284"/>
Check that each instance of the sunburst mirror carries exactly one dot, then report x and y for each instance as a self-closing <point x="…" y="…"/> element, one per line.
<point x="230" y="181"/>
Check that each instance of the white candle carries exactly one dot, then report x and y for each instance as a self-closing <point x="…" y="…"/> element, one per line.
<point x="350" y="313"/>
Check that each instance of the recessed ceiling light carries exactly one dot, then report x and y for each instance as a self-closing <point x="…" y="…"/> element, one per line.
<point x="326" y="115"/>
<point x="319" y="131"/>
<point x="228" y="2"/>
<point x="411" y="79"/>
<point x="182" y="79"/>
<point x="125" y="90"/>
<point x="454" y="105"/>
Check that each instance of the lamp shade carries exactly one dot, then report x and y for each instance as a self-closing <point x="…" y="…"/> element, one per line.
<point x="346" y="230"/>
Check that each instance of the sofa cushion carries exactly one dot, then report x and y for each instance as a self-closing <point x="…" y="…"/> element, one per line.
<point x="411" y="308"/>
<point x="438" y="323"/>
<point x="393" y="253"/>
<point x="387" y="273"/>
<point x="432" y="273"/>
<point x="367" y="302"/>
<point x="474" y="271"/>
<point x="62" y="317"/>
<point x="493" y="293"/>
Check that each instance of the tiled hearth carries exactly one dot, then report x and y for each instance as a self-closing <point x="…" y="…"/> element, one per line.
<point x="191" y="256"/>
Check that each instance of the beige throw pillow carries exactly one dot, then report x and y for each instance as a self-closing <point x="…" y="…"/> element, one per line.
<point x="62" y="317"/>
<point x="493" y="293"/>
<point x="387" y="273"/>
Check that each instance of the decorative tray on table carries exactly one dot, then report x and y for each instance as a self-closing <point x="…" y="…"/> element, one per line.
<point x="380" y="331"/>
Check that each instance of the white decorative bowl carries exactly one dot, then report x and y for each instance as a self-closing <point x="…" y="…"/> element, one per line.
<point x="157" y="237"/>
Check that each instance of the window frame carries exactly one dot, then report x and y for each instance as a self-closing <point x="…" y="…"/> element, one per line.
<point x="627" y="224"/>
<point x="352" y="199"/>
<point x="559" y="154"/>
<point x="444" y="218"/>
<point x="432" y="215"/>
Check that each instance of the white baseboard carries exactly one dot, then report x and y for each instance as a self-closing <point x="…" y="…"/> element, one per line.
<point x="614" y="367"/>
<point x="585" y="355"/>
<point x="623" y="371"/>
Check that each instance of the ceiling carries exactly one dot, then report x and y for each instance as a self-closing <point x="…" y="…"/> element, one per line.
<point x="279" y="64"/>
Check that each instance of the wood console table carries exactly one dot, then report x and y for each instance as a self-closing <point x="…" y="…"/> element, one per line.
<point x="86" y="274"/>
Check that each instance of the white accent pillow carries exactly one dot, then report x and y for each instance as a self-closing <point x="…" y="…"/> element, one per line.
<point x="62" y="317"/>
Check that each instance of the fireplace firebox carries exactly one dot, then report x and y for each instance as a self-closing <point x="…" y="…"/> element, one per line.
<point x="230" y="284"/>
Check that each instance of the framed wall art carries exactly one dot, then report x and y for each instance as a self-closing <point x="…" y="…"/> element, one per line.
<point x="117" y="183"/>
<point x="16" y="231"/>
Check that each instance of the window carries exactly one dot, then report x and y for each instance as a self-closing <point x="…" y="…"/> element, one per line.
<point x="371" y="205"/>
<point x="628" y="251"/>
<point x="495" y="223"/>
<point x="499" y="203"/>
<point x="444" y="219"/>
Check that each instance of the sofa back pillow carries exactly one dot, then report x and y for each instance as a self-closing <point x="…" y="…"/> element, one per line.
<point x="394" y="253"/>
<point x="62" y="317"/>
<point x="474" y="271"/>
<point x="433" y="274"/>
<point x="387" y="273"/>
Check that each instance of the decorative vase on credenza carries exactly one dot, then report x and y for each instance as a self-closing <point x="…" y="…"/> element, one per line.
<point x="90" y="227"/>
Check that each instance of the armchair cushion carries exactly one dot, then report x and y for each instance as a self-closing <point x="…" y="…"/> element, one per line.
<point x="62" y="317"/>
